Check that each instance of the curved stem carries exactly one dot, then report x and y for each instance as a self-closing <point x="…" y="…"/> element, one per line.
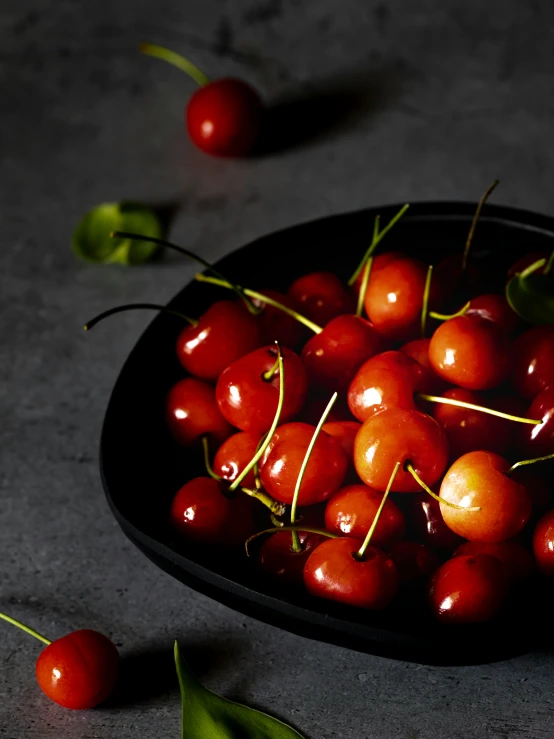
<point x="529" y="461"/>
<point x="137" y="306"/>
<point x="425" y="306"/>
<point x="262" y="299"/>
<point x="275" y="506"/>
<point x="234" y="485"/>
<point x="532" y="268"/>
<point x="25" y="628"/>
<point x="362" y="550"/>
<point x="171" y="57"/>
<point x="473" y="407"/>
<point x="191" y="255"/>
<point x="363" y="287"/>
<point x="445" y="317"/>
<point x="295" y="540"/>
<point x="376" y="241"/>
<point x="209" y="470"/>
<point x="480" y="205"/>
<point x="294" y="529"/>
<point x="427" y="489"/>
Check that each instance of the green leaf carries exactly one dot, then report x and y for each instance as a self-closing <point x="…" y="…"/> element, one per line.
<point x="206" y="715"/>
<point x="92" y="242"/>
<point x="531" y="294"/>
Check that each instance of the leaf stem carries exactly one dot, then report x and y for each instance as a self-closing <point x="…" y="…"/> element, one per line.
<point x="425" y="306"/>
<point x="137" y="306"/>
<point x="409" y="466"/>
<point x="294" y="529"/>
<point x="529" y="461"/>
<point x="171" y="57"/>
<point x="446" y="317"/>
<point x="480" y="205"/>
<point x="473" y="407"/>
<point x="25" y="628"/>
<point x="362" y="550"/>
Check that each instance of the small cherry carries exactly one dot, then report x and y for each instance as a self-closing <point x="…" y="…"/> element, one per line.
<point x="516" y="558"/>
<point x="234" y="455"/>
<point x="415" y="562"/>
<point x="321" y="297"/>
<point x="543" y="544"/>
<point x="192" y="412"/>
<point x="495" y="308"/>
<point x="77" y="671"/>
<point x="533" y="364"/>
<point x="223" y="117"/>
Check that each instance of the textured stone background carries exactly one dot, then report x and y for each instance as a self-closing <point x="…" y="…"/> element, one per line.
<point x="439" y="98"/>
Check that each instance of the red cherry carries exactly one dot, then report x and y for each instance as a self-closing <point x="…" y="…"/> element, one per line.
<point x="414" y="562"/>
<point x="234" y="455"/>
<point x="333" y="572"/>
<point x="79" y="670"/>
<point x="388" y="380"/>
<point x="276" y="324"/>
<point x="479" y="479"/>
<point x="278" y="559"/>
<point x="427" y="525"/>
<point x="470" y="352"/>
<point x="538" y="441"/>
<point x="379" y="261"/>
<point x="543" y="544"/>
<point x="397" y="435"/>
<point x="533" y="365"/>
<point x="345" y="433"/>
<point x="191" y="412"/>
<point x="351" y="511"/>
<point x="517" y="560"/>
<point x="321" y="296"/>
<point x="226" y="332"/>
<point x="249" y="401"/>
<point x="282" y="460"/>
<point x="333" y="357"/>
<point x="468" y="589"/>
<point x="526" y="261"/>
<point x="494" y="308"/>
<point x="430" y="382"/>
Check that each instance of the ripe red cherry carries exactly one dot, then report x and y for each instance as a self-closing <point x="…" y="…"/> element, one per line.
<point x="426" y="524"/>
<point x="470" y="352"/>
<point x="414" y="562"/>
<point x="345" y="433"/>
<point x="387" y="380"/>
<point x="397" y="435"/>
<point x="277" y="325"/>
<point x="517" y="560"/>
<point x="226" y="332"/>
<point x="494" y="308"/>
<point x="333" y="572"/>
<point x="430" y="382"/>
<point x="350" y="512"/>
<point x="321" y="296"/>
<point x="468" y="589"/>
<point x="282" y="460"/>
<point x="538" y="441"/>
<point x="249" y="401"/>
<point x="479" y="479"/>
<point x="192" y="412"/>
<point x="234" y="455"/>
<point x="333" y="357"/>
<point x="533" y="365"/>
<point x="543" y="544"/>
<point x="278" y="559"/>
<point x="379" y="261"/>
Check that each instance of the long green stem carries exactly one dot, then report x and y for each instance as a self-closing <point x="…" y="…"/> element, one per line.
<point x="362" y="550"/>
<point x="427" y="489"/>
<point x="447" y="317"/>
<point x="532" y="268"/>
<point x="23" y="627"/>
<point x="425" y="306"/>
<point x="207" y="465"/>
<point x="295" y="540"/>
<point x="262" y="299"/>
<point x="529" y="461"/>
<point x="191" y="255"/>
<point x="363" y="286"/>
<point x="294" y="529"/>
<point x="377" y="241"/>
<point x="473" y="407"/>
<point x="137" y="306"/>
<point x="480" y="205"/>
<point x="171" y="57"/>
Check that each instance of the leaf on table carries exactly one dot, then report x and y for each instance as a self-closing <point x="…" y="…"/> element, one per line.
<point x="531" y="294"/>
<point x="92" y="242"/>
<point x="206" y="715"/>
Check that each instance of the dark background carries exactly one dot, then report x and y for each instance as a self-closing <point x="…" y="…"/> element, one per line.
<point x="406" y="101"/>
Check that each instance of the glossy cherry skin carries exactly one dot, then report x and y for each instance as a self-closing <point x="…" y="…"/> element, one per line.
<point x="192" y="412"/>
<point x="333" y="572"/>
<point x="526" y="261"/>
<point x="470" y="352"/>
<point x="333" y="357"/>
<point x="538" y="441"/>
<point x="79" y="670"/>
<point x="543" y="544"/>
<point x="276" y="557"/>
<point x="351" y="511"/>
<point x="397" y="435"/>
<point x="430" y="382"/>
<point x="276" y="325"/>
<point x="394" y="299"/>
<point x="226" y="332"/>
<point x="516" y="558"/>
<point x="414" y="562"/>
<point x="234" y="455"/>
<point x="282" y="460"/>
<point x="248" y="401"/>
<point x="223" y="118"/>
<point x="495" y="308"/>
<point x="379" y="261"/>
<point x="479" y="479"/>
<point x="345" y="433"/>
<point x="427" y="525"/>
<point x="387" y="380"/>
<point x="321" y="296"/>
<point x="468" y="589"/>
<point x="533" y="365"/>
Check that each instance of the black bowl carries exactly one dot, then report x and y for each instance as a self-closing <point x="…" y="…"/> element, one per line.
<point x="142" y="467"/>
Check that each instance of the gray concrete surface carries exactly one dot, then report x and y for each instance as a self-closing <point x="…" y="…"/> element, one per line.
<point x="448" y="95"/>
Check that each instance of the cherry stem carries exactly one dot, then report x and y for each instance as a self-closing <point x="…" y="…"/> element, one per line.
<point x="532" y="268"/>
<point x="376" y="240"/>
<point x="529" y="461"/>
<point x="137" y="306"/>
<point x="209" y="470"/>
<point x="549" y="264"/>
<point x="257" y="478"/>
<point x="276" y="507"/>
<point x="480" y="205"/>
<point x="363" y="286"/>
<point x="295" y="540"/>
<point x="445" y="317"/>
<point x="237" y="481"/>
<point x="425" y="307"/>
<point x="263" y="299"/>
<point x="362" y="550"/>
<point x="294" y="529"/>
<point x="473" y="407"/>
<point x="270" y="374"/>
<point x="23" y="627"/>
<point x="408" y="466"/>
<point x="160" y="52"/>
<point x="191" y="255"/>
